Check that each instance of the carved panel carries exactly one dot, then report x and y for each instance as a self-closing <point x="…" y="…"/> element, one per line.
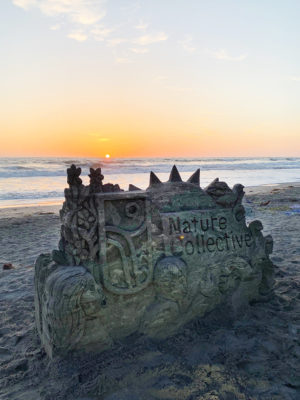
<point x="125" y="228"/>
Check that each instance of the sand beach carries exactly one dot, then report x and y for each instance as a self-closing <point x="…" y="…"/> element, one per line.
<point x="256" y="356"/>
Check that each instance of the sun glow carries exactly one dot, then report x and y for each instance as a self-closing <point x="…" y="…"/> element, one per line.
<point x="107" y="155"/>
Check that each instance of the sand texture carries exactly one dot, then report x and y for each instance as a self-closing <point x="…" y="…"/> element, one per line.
<point x="256" y="356"/>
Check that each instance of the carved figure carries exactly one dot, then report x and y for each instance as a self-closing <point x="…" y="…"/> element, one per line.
<point x="170" y="277"/>
<point x="73" y="176"/>
<point x="96" y="179"/>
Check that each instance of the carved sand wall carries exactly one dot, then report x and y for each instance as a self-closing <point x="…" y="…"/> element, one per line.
<point x="146" y="261"/>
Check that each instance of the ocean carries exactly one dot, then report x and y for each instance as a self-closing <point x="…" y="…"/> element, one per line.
<point x="32" y="181"/>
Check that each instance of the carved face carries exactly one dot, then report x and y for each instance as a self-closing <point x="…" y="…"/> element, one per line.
<point x="126" y="214"/>
<point x="170" y="278"/>
<point x="233" y="271"/>
<point x="92" y="298"/>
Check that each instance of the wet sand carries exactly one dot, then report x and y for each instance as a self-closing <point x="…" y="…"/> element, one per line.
<point x="256" y="356"/>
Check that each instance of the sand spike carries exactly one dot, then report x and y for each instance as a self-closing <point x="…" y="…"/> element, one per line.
<point x="195" y="178"/>
<point x="153" y="179"/>
<point x="132" y="188"/>
<point x="174" y="175"/>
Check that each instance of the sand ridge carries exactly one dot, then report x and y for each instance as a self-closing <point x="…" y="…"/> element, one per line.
<point x="256" y="356"/>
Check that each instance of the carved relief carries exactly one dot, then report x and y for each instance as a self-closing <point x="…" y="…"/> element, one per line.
<point x="146" y="261"/>
<point x="126" y="255"/>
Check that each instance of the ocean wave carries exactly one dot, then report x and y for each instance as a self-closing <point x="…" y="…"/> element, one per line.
<point x="30" y="173"/>
<point x="56" y="167"/>
<point x="31" y="195"/>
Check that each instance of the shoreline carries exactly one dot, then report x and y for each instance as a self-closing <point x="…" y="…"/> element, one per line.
<point x="33" y="204"/>
<point x="268" y="187"/>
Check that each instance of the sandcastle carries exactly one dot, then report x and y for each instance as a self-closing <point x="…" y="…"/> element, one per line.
<point x="146" y="261"/>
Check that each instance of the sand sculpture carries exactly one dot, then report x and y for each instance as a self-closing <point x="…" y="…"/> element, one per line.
<point x="146" y="261"/>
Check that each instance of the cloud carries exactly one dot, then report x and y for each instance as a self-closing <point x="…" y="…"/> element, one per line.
<point x="151" y="38"/>
<point x="223" y="55"/>
<point x="179" y="89"/>
<point x="101" y="33"/>
<point x="122" y="60"/>
<point x="55" y="27"/>
<point x="24" y="3"/>
<point x="139" y="50"/>
<point x="294" y="78"/>
<point x="131" y="8"/>
<point x="160" y="78"/>
<point x="84" y="12"/>
<point x="116" y="41"/>
<point x="166" y="82"/>
<point x="121" y="56"/>
<point x="98" y="137"/>
<point x="142" y="26"/>
<point x="78" y="35"/>
<point x="82" y="20"/>
<point x="187" y="44"/>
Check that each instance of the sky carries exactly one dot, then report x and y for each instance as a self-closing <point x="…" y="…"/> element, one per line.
<point x="159" y="78"/>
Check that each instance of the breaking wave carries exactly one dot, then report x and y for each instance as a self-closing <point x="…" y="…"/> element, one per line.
<point x="29" y="167"/>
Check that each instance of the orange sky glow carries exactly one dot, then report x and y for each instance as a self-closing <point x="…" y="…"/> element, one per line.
<point x="137" y="83"/>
